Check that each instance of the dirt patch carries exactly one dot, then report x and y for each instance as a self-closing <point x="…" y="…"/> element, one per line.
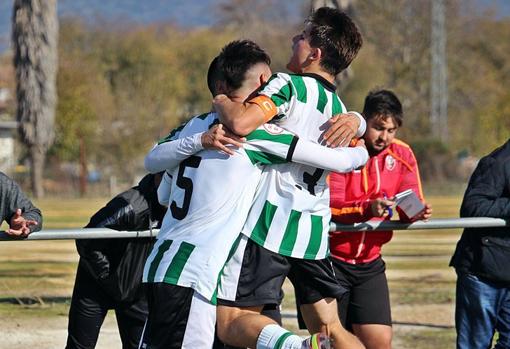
<point x="51" y="333"/>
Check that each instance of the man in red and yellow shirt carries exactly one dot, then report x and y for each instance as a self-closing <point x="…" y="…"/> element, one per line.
<point x="365" y="195"/>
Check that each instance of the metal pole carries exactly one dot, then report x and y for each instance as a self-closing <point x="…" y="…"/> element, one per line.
<point x="81" y="233"/>
<point x="439" y="223"/>
<point x="104" y="233"/>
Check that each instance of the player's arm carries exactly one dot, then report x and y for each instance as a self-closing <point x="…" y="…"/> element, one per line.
<point x="118" y="215"/>
<point x="486" y="192"/>
<point x="343" y="128"/>
<point x="168" y="154"/>
<point x="243" y="118"/>
<point x="330" y="159"/>
<point x="165" y="189"/>
<point x="271" y="142"/>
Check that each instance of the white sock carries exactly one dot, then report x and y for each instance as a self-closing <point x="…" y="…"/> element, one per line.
<point x="274" y="336"/>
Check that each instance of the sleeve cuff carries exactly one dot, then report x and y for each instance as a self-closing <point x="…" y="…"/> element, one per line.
<point x="197" y="142"/>
<point x="362" y="124"/>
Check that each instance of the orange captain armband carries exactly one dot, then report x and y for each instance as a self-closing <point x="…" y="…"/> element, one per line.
<point x="266" y="104"/>
<point x="353" y="142"/>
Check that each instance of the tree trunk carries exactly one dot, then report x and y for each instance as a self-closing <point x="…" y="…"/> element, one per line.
<point x="34" y="36"/>
<point x="37" y="157"/>
<point x="83" y="167"/>
<point x="344" y="5"/>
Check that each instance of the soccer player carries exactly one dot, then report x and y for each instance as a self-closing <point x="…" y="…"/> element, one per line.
<point x="211" y="194"/>
<point x="288" y="223"/>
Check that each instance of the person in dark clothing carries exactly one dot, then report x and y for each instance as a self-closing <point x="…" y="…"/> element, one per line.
<point x="17" y="210"/>
<point x="109" y="274"/>
<point x="482" y="257"/>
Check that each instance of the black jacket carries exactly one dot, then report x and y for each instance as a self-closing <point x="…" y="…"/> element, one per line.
<point x="117" y="264"/>
<point x="485" y="252"/>
<point x="12" y="198"/>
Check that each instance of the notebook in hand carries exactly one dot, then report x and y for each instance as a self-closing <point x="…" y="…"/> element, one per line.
<point x="409" y="203"/>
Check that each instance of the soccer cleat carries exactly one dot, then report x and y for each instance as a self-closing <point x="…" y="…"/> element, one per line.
<point x="317" y="341"/>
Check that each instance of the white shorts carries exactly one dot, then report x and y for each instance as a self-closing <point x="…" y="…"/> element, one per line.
<point x="179" y="317"/>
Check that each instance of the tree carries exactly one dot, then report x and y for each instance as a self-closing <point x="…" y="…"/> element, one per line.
<point x="35" y="35"/>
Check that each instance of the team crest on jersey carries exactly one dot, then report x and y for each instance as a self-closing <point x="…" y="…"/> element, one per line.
<point x="273" y="129"/>
<point x="390" y="163"/>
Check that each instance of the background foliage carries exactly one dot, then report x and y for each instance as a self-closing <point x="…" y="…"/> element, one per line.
<point x="122" y="86"/>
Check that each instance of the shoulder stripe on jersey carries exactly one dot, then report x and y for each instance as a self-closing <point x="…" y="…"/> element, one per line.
<point x="292" y="147"/>
<point x="263" y="158"/>
<point x="323" y="98"/>
<point x="215" y="122"/>
<point x="266" y="136"/>
<point x="314" y="243"/>
<point x="178" y="262"/>
<point x="300" y="87"/>
<point x="282" y="96"/>
<point x="203" y="116"/>
<point x="175" y="131"/>
<point x="159" y="256"/>
<point x="274" y="76"/>
<point x="291" y="232"/>
<point x="337" y="106"/>
<point x="172" y="134"/>
<point x="399" y="142"/>
<point x="260" y="230"/>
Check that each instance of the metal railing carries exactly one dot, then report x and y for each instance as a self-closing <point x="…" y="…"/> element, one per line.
<point x="104" y="233"/>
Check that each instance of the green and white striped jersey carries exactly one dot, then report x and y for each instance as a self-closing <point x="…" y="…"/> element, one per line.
<point x="291" y="214"/>
<point x="210" y="196"/>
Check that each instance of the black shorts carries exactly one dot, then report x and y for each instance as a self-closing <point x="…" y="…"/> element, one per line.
<point x="367" y="300"/>
<point x="263" y="272"/>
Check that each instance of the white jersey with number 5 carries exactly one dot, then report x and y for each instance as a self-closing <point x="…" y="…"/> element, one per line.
<point x="211" y="194"/>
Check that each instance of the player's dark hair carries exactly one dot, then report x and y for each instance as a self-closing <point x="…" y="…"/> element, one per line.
<point x="337" y="36"/>
<point x="213" y="76"/>
<point x="383" y="103"/>
<point x="236" y="58"/>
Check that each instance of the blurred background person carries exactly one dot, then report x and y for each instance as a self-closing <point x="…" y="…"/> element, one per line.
<point x="364" y="195"/>
<point x="482" y="257"/>
<point x="110" y="271"/>
<point x="17" y="210"/>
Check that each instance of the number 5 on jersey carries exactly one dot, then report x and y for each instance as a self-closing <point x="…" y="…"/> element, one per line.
<point x="185" y="184"/>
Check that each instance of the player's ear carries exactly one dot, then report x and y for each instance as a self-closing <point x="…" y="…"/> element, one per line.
<point x="263" y="78"/>
<point x="265" y="75"/>
<point x="315" y="54"/>
<point x="221" y="87"/>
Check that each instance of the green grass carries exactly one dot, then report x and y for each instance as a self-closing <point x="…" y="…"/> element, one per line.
<point x="68" y="213"/>
<point x="427" y="338"/>
<point x="430" y="290"/>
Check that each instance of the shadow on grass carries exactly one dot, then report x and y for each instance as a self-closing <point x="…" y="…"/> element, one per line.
<point x="425" y="325"/>
<point x="28" y="301"/>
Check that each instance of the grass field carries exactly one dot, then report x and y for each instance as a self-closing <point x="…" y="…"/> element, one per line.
<point x="36" y="280"/>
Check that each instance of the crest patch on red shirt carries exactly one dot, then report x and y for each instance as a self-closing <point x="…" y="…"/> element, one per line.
<point x="390" y="162"/>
